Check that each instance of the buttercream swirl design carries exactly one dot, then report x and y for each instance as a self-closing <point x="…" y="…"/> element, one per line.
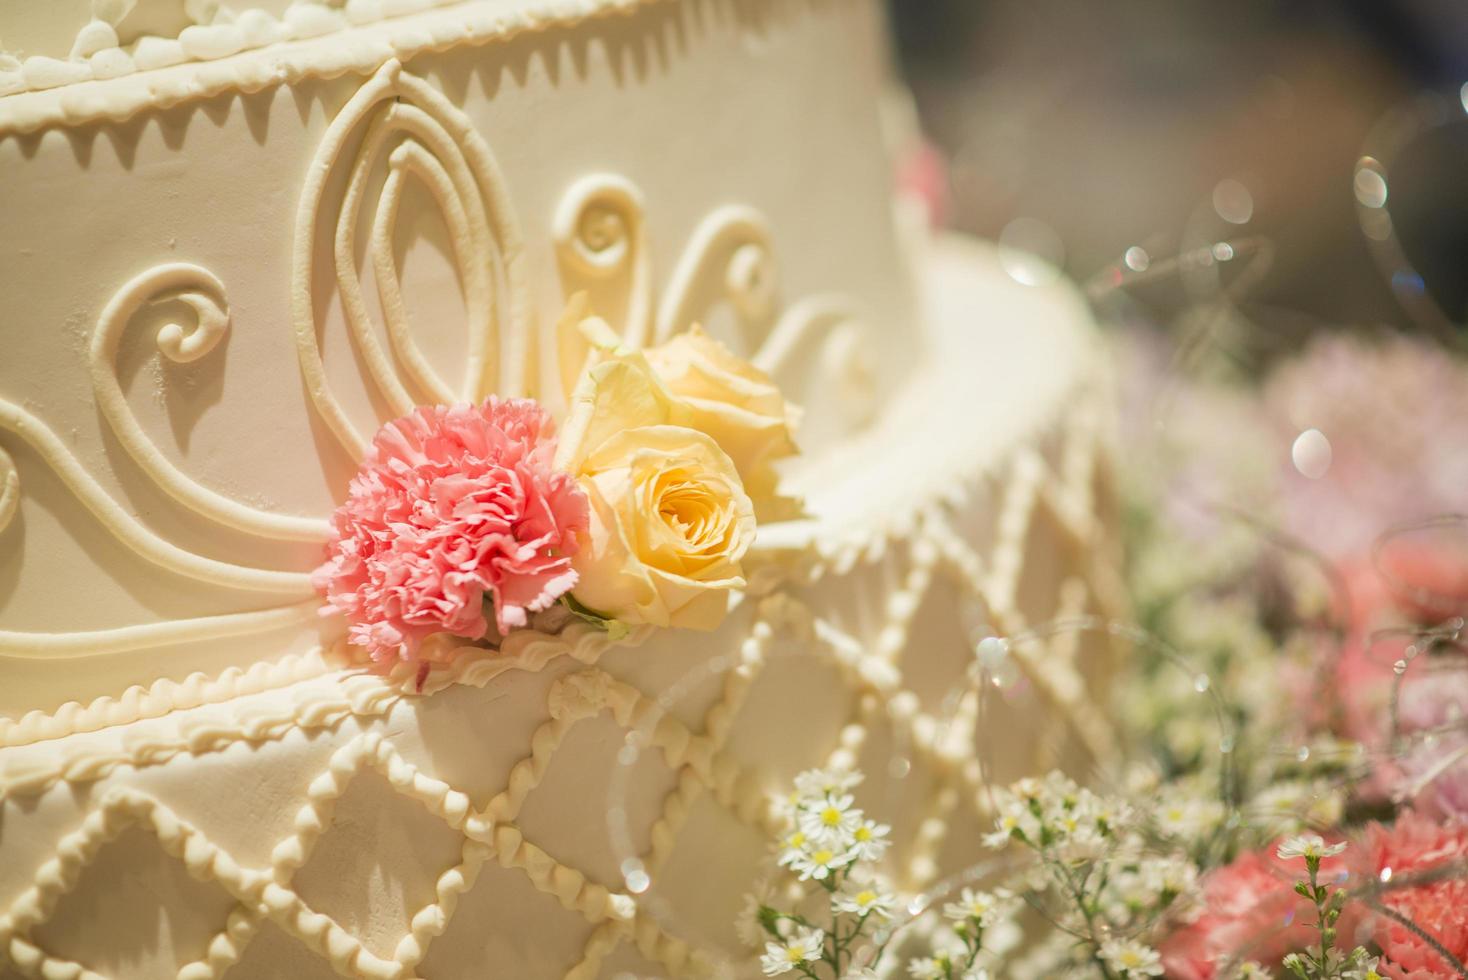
<point x="729" y="262"/>
<point x="424" y="136"/>
<point x="202" y="291"/>
<point x="127" y="529"/>
<point x="9" y="489"/>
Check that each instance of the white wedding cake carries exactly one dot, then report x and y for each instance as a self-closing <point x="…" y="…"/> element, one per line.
<point x="236" y="241"/>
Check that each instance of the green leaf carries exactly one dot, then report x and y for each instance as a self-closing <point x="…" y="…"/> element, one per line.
<point x="614" y="628"/>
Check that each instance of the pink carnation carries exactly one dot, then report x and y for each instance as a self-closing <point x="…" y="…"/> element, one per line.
<point x="1415" y="844"/>
<point x="1250" y="912"/>
<point x="453" y="505"/>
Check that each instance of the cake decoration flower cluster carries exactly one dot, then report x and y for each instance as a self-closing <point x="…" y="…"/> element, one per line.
<point x="467" y="520"/>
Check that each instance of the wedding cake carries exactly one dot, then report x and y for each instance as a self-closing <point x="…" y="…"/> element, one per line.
<point x="239" y="241"/>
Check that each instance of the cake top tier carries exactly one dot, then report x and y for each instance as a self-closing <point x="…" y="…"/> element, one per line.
<point x="221" y="278"/>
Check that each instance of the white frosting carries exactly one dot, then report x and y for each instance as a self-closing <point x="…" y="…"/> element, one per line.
<point x="388" y="208"/>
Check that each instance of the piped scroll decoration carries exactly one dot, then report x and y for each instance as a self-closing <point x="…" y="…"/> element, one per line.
<point x="601" y="241"/>
<point x="426" y="137"/>
<point x="202" y="291"/>
<point x="9" y="489"/>
<point x="729" y="262"/>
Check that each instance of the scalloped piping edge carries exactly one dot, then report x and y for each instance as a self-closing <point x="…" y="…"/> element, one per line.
<point x="357" y="694"/>
<point x="287" y="62"/>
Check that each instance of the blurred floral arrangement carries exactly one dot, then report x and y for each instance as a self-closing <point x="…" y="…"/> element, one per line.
<point x="1296" y="800"/>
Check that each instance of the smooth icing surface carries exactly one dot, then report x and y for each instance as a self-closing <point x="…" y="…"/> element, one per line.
<point x="238" y="242"/>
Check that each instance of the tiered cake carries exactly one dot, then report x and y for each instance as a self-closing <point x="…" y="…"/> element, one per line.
<point x="236" y="241"/>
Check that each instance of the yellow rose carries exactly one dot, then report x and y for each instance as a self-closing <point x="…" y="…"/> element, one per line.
<point x="733" y="401"/>
<point x="670" y="523"/>
<point x="693" y="381"/>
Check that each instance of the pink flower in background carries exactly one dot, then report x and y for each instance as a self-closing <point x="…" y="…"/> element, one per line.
<point x="1410" y="588"/>
<point x="1415" y="844"/>
<point x="452" y="506"/>
<point x="1435" y="767"/>
<point x="1250" y="912"/>
<point x="1396" y="415"/>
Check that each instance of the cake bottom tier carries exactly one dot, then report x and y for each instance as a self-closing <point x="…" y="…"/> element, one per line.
<point x="577" y="810"/>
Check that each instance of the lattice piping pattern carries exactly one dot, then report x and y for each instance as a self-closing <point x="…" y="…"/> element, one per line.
<point x="872" y="670"/>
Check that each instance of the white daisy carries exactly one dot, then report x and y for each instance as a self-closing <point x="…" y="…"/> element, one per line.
<point x="1364" y="970"/>
<point x="869" y="840"/>
<point x="928" y="967"/>
<point x="817" y="783"/>
<point x="748" y="927"/>
<point x="1131" y="958"/>
<point x="831" y="819"/>
<point x="984" y="907"/>
<point x="819" y="860"/>
<point x="1310" y="847"/>
<point x="804" y="947"/>
<point x="863" y="900"/>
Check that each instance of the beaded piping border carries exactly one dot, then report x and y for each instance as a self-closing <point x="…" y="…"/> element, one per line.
<point x="111" y="85"/>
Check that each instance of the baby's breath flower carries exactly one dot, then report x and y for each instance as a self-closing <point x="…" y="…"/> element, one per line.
<point x="1310" y="847"/>
<point x="1188" y="818"/>
<point x="748" y="925"/>
<point x="869" y="840"/>
<point x="831" y="818"/>
<point x="1131" y="958"/>
<point x="819" y="783"/>
<point x="1365" y="969"/>
<point x="805" y="946"/>
<point x="864" y="900"/>
<point x="819" y="860"/>
<point x="929" y="967"/>
<point x="794" y="846"/>
<point x="986" y="908"/>
<point x="1016" y="819"/>
<point x="1250" y="970"/>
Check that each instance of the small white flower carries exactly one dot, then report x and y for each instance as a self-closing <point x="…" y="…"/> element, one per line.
<point x="832" y="819"/>
<point x="747" y="926"/>
<point x="869" y="840"/>
<point x="817" y="783"/>
<point x="1250" y="970"/>
<point x="863" y="900"/>
<point x="819" y="861"/>
<point x="1188" y="818"/>
<point x="1363" y="970"/>
<point x="805" y="946"/>
<point x="793" y="847"/>
<point x="928" y="967"/>
<point x="1131" y="958"/>
<point x="1013" y="816"/>
<point x="1309" y="846"/>
<point x="974" y="973"/>
<point x="985" y="907"/>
